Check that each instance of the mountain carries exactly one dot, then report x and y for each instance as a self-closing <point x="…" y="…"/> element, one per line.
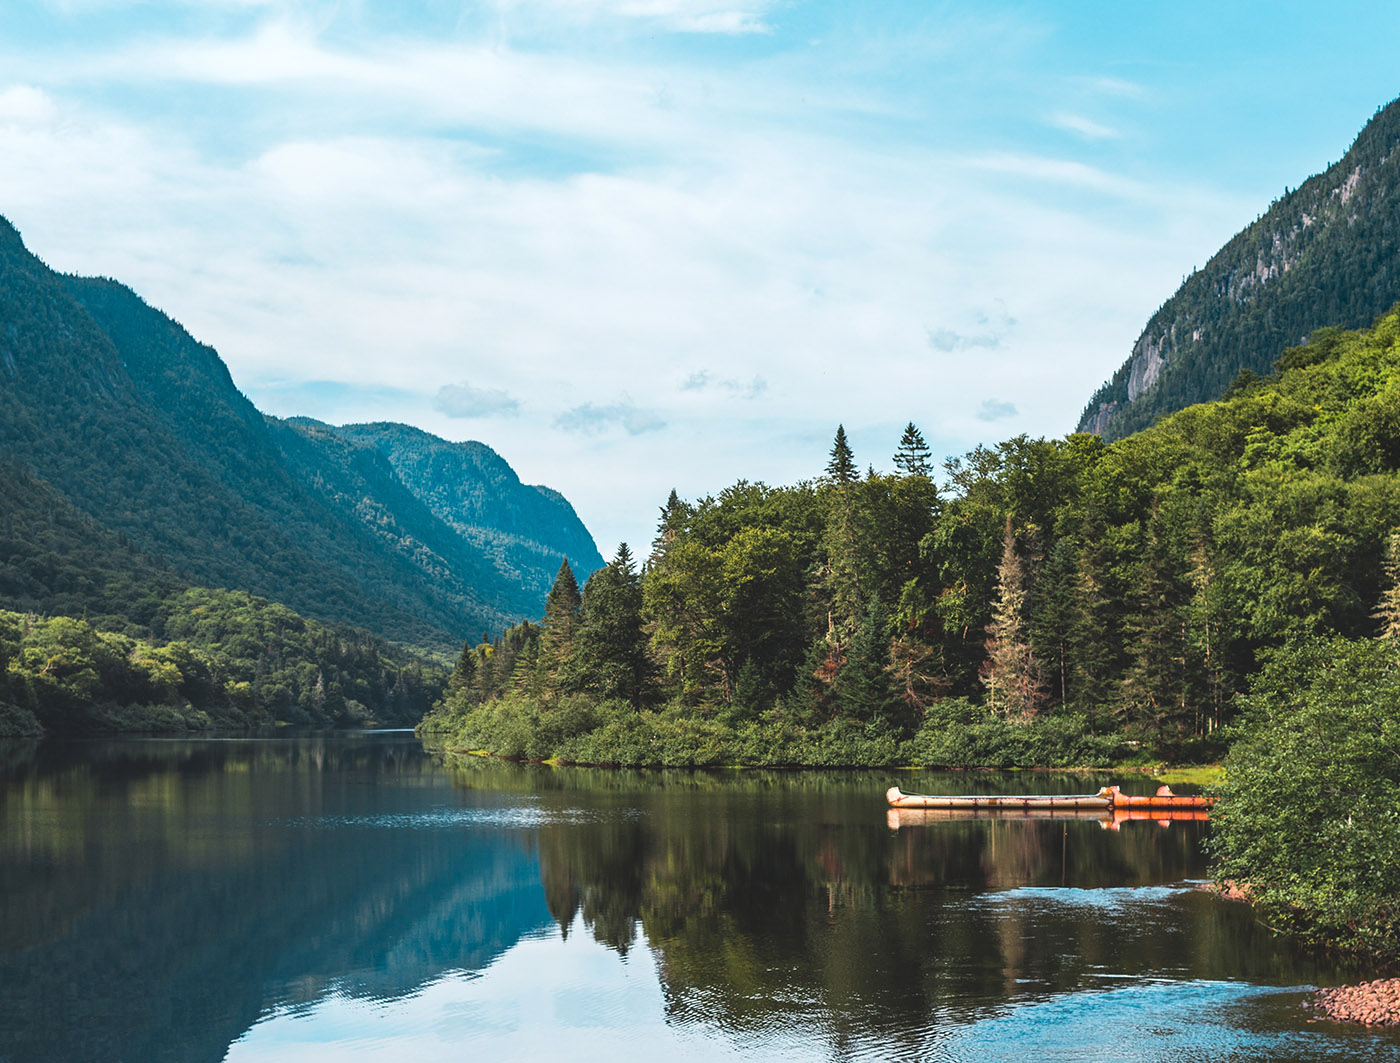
<point x="114" y="408"/>
<point x="1326" y="254"/>
<point x="525" y="530"/>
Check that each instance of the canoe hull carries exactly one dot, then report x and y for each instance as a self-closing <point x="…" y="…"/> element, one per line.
<point x="1110" y="797"/>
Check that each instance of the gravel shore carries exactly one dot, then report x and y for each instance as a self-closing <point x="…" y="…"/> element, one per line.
<point x="1370" y="1003"/>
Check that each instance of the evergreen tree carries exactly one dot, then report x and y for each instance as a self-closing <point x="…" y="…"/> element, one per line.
<point x="841" y="469"/>
<point x="1093" y="642"/>
<point x="1206" y="671"/>
<point x="862" y="687"/>
<point x="1011" y="673"/>
<point x="1388" y="610"/>
<point x="561" y="611"/>
<point x="674" y="515"/>
<point x="1055" y="616"/>
<point x="465" y="671"/>
<point x="610" y="657"/>
<point x="1153" y="688"/>
<point x="912" y="457"/>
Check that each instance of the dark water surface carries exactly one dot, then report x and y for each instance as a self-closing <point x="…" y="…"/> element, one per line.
<point x="353" y="897"/>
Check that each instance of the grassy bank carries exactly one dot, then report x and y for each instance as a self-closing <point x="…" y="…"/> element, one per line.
<point x="581" y="730"/>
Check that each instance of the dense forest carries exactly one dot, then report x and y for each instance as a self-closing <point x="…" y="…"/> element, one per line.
<point x="1051" y="601"/>
<point x="224" y="660"/>
<point x="1323" y="255"/>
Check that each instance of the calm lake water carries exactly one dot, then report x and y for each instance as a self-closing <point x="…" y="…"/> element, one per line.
<point x="354" y="897"/>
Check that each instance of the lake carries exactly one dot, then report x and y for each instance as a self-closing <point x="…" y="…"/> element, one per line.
<point x="353" y="896"/>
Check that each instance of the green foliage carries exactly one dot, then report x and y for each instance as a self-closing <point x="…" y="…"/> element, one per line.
<point x="1107" y="592"/>
<point x="1309" y="815"/>
<point x="1322" y="256"/>
<point x="959" y="734"/>
<point x="116" y="412"/>
<point x="232" y="660"/>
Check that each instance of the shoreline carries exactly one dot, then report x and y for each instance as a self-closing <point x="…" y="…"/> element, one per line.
<point x="1374" y="1003"/>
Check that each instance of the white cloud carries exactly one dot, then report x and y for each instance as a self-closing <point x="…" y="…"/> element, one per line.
<point x="1084" y="127"/>
<point x="686" y="16"/>
<point x="988" y="329"/>
<point x="995" y="410"/>
<point x="463" y="400"/>
<point x="592" y="418"/>
<point x="380" y="210"/>
<point x="1112" y="86"/>
<point x="704" y="380"/>
<point x="25" y="105"/>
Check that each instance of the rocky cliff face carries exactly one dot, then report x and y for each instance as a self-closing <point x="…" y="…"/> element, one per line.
<point x="1325" y="254"/>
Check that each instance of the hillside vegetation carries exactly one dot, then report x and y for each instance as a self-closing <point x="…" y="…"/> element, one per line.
<point x="1325" y="254"/>
<point x="117" y="410"/>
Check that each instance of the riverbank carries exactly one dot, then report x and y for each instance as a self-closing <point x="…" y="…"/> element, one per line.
<point x="1374" y="1003"/>
<point x="581" y="730"/>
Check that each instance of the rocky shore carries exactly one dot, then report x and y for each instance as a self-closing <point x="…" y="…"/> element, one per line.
<point x="1370" y="1003"/>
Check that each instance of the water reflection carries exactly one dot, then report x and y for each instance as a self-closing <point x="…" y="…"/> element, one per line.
<point x="161" y="896"/>
<point x="353" y="897"/>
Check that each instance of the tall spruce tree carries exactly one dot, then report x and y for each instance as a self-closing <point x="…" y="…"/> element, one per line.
<point x="465" y="673"/>
<point x="1153" y="688"/>
<point x="1011" y="673"/>
<point x="841" y="468"/>
<point x="1388" y="609"/>
<point x="561" y="611"/>
<point x="912" y="457"/>
<point x="610" y="658"/>
<point x="674" y="514"/>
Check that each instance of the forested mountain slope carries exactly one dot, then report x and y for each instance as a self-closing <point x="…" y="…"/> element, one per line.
<point x="1326" y="254"/>
<point x="139" y="428"/>
<point x="524" y="529"/>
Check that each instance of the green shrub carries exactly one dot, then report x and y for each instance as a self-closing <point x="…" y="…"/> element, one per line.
<point x="1309" y="815"/>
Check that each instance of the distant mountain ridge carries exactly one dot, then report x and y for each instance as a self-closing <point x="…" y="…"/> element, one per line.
<point x="114" y="406"/>
<point x="1326" y="254"/>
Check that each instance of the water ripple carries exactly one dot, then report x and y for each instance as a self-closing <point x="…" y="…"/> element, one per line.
<point x="514" y="817"/>
<point x="1109" y="899"/>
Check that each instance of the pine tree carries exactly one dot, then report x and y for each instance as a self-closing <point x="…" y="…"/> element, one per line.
<point x="1011" y="673"/>
<point x="674" y="515"/>
<point x="1388" y="610"/>
<point x="465" y="671"/>
<point x="862" y="687"/>
<point x="1153" y="690"/>
<point x="610" y="658"/>
<point x="561" y="612"/>
<point x="844" y="574"/>
<point x="912" y="457"/>
<point x="841" y="469"/>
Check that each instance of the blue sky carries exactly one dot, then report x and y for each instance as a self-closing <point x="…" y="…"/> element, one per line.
<point x="643" y="244"/>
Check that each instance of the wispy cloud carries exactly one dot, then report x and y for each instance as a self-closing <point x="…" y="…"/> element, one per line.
<point x="1112" y="86"/>
<point x="989" y="329"/>
<point x="313" y="183"/>
<point x="463" y="400"/>
<point x="995" y="410"/>
<point x="685" y="16"/>
<point x="704" y="380"/>
<point x="592" y="419"/>
<point x="1084" y="127"/>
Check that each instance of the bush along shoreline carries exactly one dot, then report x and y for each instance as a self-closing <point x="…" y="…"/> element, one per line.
<point x="582" y="731"/>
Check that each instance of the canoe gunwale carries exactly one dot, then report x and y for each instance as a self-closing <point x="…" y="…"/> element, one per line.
<point x="1110" y="797"/>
